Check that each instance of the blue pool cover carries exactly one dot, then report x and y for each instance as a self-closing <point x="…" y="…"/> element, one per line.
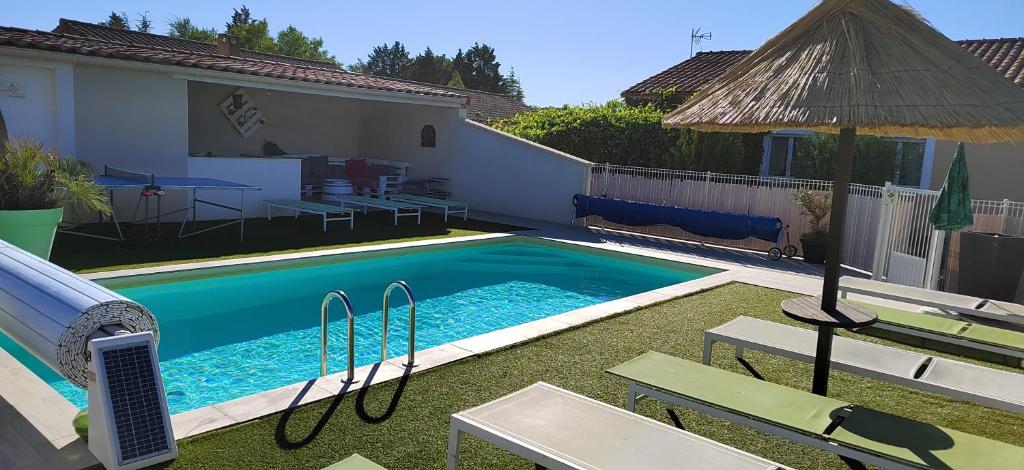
<point x="711" y="224"/>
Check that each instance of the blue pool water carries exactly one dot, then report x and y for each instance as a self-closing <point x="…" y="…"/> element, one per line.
<point x="227" y="333"/>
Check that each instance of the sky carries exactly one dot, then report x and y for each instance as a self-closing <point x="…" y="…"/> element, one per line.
<point x="564" y="52"/>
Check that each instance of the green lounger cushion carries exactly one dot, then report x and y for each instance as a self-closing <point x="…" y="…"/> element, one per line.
<point x="995" y="336"/>
<point x="722" y="389"/>
<point x="355" y="462"/>
<point x="923" y="444"/>
<point x="918" y="320"/>
<point x="950" y="327"/>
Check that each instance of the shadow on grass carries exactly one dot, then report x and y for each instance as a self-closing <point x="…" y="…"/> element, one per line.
<point x="281" y="431"/>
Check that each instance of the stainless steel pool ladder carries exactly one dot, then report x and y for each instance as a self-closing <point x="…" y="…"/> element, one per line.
<point x="412" y="322"/>
<point x="340" y="295"/>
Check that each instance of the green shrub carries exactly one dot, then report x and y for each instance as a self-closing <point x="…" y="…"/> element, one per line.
<point x="621" y="134"/>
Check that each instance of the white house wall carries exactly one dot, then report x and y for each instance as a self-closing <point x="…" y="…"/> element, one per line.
<point x="37" y="101"/>
<point x="391" y="131"/>
<point x="996" y="170"/>
<point x="130" y="119"/>
<point x="500" y="173"/>
<point x="298" y="123"/>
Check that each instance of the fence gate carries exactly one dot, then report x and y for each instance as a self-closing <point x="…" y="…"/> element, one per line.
<point x="909" y="250"/>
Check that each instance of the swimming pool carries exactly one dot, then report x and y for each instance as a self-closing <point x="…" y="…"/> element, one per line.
<point x="234" y="331"/>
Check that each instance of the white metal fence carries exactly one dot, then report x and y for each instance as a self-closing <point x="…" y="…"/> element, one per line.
<point x="887" y="228"/>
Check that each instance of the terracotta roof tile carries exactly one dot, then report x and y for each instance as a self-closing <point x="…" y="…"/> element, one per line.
<point x="76" y="37"/>
<point x="127" y="36"/>
<point x="688" y="75"/>
<point x="1005" y="55"/>
<point x="263" y="66"/>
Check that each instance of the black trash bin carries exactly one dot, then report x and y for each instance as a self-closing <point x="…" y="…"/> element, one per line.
<point x="991" y="265"/>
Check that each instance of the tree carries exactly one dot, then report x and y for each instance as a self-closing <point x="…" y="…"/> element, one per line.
<point x="510" y="85"/>
<point x="184" y="29"/>
<point x="144" y="24"/>
<point x="479" y="68"/>
<point x="430" y="68"/>
<point x="291" y="42"/>
<point x="117" y="20"/>
<point x="254" y="35"/>
<point x="385" y="61"/>
<point x="240" y="17"/>
<point x="456" y="81"/>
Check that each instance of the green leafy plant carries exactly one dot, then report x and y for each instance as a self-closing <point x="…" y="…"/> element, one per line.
<point x="621" y="134"/>
<point x="32" y="177"/>
<point x="816" y="205"/>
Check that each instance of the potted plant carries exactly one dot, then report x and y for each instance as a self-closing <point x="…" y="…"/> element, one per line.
<point x="814" y="205"/>
<point x="35" y="185"/>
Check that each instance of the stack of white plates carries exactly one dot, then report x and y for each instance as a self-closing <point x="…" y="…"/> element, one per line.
<point x="335" y="189"/>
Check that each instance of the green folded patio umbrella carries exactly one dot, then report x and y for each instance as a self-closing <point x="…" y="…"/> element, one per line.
<point x="952" y="211"/>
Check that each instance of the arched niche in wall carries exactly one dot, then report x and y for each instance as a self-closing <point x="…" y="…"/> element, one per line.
<point x="428" y="136"/>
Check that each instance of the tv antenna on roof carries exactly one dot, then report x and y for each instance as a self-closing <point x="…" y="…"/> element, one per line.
<point x="696" y="37"/>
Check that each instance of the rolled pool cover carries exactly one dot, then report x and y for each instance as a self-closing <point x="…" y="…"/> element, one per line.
<point x="53" y="313"/>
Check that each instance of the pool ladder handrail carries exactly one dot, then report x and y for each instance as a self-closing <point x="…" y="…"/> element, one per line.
<point x="324" y="307"/>
<point x="411" y="361"/>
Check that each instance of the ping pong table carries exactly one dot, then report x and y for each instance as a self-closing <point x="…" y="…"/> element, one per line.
<point x="152" y="186"/>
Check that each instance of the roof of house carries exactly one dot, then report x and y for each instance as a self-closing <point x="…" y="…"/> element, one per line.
<point x="127" y="36"/>
<point x="1005" y="55"/>
<point x="487" y="107"/>
<point x="265" y="65"/>
<point x="688" y="75"/>
<point x="77" y="37"/>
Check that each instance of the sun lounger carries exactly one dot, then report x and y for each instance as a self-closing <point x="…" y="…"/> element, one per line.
<point x="983" y="385"/>
<point x="323" y="210"/>
<point x="450" y="207"/>
<point x="558" y="429"/>
<point x="355" y="462"/>
<point x="854" y="432"/>
<point x="399" y="209"/>
<point x="948" y="329"/>
<point x="957" y="303"/>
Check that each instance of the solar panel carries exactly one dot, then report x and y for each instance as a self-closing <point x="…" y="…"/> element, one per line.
<point x="131" y="417"/>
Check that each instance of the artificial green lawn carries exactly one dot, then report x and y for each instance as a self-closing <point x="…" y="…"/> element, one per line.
<point x="280" y="235"/>
<point x="415" y="434"/>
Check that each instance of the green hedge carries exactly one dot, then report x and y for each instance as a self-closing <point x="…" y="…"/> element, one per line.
<point x="617" y="133"/>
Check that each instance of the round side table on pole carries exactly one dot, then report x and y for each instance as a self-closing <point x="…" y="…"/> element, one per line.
<point x="846" y="315"/>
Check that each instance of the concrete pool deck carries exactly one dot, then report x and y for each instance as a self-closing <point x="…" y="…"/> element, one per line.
<point x="35" y="421"/>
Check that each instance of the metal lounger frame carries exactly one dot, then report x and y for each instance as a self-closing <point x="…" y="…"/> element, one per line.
<point x="448" y="208"/>
<point x="325" y="214"/>
<point x="975" y="312"/>
<point x="460" y="425"/>
<point x="711" y="337"/>
<point x="397" y="211"/>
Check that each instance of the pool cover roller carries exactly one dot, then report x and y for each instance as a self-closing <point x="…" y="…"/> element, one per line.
<point x="705" y="223"/>
<point x="53" y="313"/>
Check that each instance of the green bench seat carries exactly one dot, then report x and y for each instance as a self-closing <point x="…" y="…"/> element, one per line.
<point x="855" y="432"/>
<point x="950" y="330"/>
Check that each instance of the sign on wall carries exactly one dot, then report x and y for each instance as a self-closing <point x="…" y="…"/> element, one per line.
<point x="242" y="112"/>
<point x="27" y="103"/>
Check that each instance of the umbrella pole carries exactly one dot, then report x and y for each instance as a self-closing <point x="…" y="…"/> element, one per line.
<point x="833" y="258"/>
<point x="837" y="218"/>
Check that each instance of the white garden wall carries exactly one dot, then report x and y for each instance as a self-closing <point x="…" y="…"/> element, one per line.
<point x="501" y="173"/>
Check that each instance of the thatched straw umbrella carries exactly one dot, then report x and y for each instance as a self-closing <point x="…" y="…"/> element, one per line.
<point x="865" y="66"/>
